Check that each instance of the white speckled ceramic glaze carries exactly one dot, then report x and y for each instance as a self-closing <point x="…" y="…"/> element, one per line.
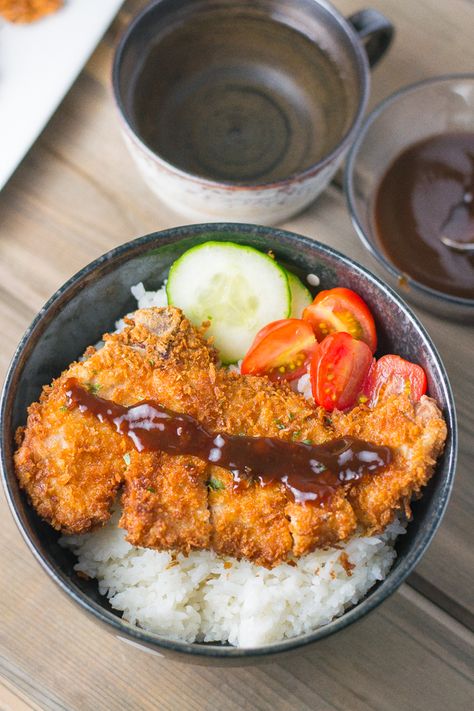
<point x="197" y="198"/>
<point x="270" y="202"/>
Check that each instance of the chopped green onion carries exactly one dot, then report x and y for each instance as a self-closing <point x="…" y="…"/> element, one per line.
<point x="215" y="484"/>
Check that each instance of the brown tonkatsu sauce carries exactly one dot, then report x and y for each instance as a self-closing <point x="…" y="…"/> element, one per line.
<point x="310" y="473"/>
<point x="428" y="194"/>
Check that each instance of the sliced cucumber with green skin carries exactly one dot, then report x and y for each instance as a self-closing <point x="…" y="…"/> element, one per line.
<point x="237" y="288"/>
<point x="300" y="295"/>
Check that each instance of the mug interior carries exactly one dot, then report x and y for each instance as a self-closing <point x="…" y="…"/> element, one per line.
<point x="245" y="93"/>
<point x="90" y="304"/>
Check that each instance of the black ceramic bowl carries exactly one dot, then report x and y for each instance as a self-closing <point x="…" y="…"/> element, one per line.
<point x="89" y="304"/>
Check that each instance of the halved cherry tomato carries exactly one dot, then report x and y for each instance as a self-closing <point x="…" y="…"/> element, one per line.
<point x="339" y="368"/>
<point x="393" y="375"/>
<point x="368" y="385"/>
<point x="341" y="309"/>
<point x="280" y="350"/>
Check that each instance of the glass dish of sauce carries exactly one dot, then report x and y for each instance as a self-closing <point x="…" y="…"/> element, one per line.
<point x="424" y="213"/>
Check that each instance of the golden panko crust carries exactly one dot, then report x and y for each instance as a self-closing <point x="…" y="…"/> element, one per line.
<point x="73" y="466"/>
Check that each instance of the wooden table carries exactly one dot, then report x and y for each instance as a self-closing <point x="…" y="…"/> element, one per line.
<point x="75" y="196"/>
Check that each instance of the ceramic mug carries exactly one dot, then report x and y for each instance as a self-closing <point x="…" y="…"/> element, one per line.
<point x="244" y="109"/>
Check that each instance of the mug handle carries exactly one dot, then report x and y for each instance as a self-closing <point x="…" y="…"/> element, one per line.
<point x="375" y="31"/>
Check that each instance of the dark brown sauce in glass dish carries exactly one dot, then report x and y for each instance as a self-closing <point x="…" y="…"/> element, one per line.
<point x="424" y="213"/>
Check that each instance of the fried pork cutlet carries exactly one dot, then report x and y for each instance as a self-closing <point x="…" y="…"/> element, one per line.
<point x="73" y="466"/>
<point x="25" y="11"/>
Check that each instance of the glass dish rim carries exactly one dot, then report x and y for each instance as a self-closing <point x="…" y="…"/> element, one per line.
<point x="348" y="186"/>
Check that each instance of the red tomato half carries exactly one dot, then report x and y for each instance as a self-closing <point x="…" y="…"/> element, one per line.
<point x="341" y="310"/>
<point x="280" y="350"/>
<point x="339" y="369"/>
<point x="393" y="375"/>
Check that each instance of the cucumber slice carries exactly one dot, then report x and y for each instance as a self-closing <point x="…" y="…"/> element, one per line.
<point x="237" y="288"/>
<point x="300" y="295"/>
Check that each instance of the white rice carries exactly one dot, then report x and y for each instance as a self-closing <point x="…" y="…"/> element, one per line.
<point x="206" y="597"/>
<point x="146" y="299"/>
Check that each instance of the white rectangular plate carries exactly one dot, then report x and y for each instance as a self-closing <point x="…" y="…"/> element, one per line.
<point x="38" y="64"/>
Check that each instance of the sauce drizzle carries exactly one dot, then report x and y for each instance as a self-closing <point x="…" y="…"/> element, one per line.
<point x="310" y="473"/>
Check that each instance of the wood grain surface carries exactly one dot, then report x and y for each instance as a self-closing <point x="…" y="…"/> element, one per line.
<point x="76" y="195"/>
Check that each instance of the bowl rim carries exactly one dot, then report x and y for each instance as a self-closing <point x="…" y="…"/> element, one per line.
<point x="154" y="641"/>
<point x="339" y="149"/>
<point x="348" y="186"/>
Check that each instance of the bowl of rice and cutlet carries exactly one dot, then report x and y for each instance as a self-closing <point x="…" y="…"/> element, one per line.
<point x="227" y="441"/>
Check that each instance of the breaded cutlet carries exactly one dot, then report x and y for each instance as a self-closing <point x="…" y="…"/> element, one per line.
<point x="73" y="466"/>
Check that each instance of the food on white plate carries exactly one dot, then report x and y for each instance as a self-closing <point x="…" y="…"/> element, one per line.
<point x="25" y="11"/>
<point x="225" y="484"/>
